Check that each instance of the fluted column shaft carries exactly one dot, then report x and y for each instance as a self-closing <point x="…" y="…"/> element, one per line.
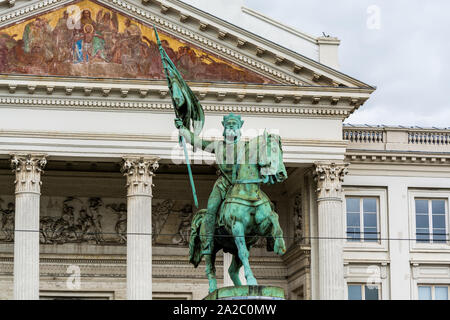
<point x="329" y="178"/>
<point x="139" y="173"/>
<point x="28" y="169"/>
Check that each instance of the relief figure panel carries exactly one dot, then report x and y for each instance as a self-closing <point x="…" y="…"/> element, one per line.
<point x="101" y="221"/>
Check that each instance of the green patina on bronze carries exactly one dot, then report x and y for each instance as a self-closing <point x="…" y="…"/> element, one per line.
<point x="255" y="292"/>
<point x="238" y="211"/>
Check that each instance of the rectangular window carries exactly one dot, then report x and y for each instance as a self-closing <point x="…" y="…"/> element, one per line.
<point x="362" y="219"/>
<point x="433" y="292"/>
<point x="431" y="220"/>
<point x="363" y="292"/>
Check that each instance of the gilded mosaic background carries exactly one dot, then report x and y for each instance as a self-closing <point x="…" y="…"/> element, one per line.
<point x="88" y="40"/>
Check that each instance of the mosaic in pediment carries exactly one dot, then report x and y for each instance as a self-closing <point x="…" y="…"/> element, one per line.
<point x="86" y="39"/>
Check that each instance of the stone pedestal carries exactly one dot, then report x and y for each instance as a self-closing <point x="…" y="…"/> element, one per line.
<point x="28" y="169"/>
<point x="329" y="178"/>
<point x="247" y="293"/>
<point x="139" y="173"/>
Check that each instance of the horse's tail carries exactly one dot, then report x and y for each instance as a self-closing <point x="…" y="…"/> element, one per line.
<point x="195" y="244"/>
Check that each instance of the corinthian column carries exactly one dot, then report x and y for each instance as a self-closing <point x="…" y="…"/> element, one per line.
<point x="329" y="178"/>
<point x="28" y="169"/>
<point x="139" y="173"/>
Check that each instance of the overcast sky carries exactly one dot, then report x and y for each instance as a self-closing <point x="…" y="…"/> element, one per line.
<point x="405" y="53"/>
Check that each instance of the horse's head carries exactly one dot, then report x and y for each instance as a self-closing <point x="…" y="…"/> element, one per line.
<point x="273" y="168"/>
<point x="281" y="173"/>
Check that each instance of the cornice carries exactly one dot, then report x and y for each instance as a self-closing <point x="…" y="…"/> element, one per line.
<point x="146" y="138"/>
<point x="398" y="157"/>
<point x="303" y="111"/>
<point x="280" y="25"/>
<point x="10" y="3"/>
<point x="296" y="254"/>
<point x="140" y="95"/>
<point x="278" y="63"/>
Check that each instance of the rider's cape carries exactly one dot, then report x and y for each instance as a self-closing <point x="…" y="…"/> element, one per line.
<point x="271" y="158"/>
<point x="264" y="150"/>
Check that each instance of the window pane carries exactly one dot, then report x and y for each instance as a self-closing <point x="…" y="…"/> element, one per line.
<point x="421" y="206"/>
<point x="441" y="293"/>
<point x="422" y="221"/>
<point x="370" y="234"/>
<point x="370" y="220"/>
<point x="370" y="205"/>
<point x="371" y="293"/>
<point x="438" y="221"/>
<point x="354" y="292"/>
<point x="352" y="204"/>
<point x="439" y="235"/>
<point x="422" y="235"/>
<point x="424" y="293"/>
<point x="352" y="219"/>
<point x="353" y="234"/>
<point x="438" y="206"/>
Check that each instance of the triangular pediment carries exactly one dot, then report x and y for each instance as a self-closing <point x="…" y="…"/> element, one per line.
<point x="89" y="39"/>
<point x="204" y="47"/>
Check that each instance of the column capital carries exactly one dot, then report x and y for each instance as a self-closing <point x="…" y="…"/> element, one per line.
<point x="329" y="178"/>
<point x="28" y="162"/>
<point x="139" y="172"/>
<point x="28" y="169"/>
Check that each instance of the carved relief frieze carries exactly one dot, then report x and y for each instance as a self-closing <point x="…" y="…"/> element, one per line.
<point x="298" y="219"/>
<point x="101" y="221"/>
<point x="7" y="211"/>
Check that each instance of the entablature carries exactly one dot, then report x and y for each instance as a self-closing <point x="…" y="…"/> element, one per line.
<point x="64" y="93"/>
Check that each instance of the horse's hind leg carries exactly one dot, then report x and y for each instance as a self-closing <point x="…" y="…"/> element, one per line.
<point x="233" y="270"/>
<point x="211" y="271"/>
<point x="239" y="238"/>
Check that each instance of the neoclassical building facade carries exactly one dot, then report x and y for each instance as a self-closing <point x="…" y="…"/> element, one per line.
<point x="95" y="201"/>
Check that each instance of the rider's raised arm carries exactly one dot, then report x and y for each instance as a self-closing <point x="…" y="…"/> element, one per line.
<point x="191" y="138"/>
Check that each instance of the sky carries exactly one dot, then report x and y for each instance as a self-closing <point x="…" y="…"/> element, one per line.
<point x="400" y="46"/>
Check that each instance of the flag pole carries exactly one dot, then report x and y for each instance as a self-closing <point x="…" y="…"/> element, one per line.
<point x="182" y="139"/>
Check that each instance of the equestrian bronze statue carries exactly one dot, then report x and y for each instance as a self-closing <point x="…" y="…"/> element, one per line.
<point x="238" y="212"/>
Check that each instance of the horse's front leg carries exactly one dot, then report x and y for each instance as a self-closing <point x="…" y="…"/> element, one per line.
<point x="239" y="239"/>
<point x="211" y="271"/>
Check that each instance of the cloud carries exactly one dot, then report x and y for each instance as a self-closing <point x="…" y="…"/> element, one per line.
<point x="407" y="58"/>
